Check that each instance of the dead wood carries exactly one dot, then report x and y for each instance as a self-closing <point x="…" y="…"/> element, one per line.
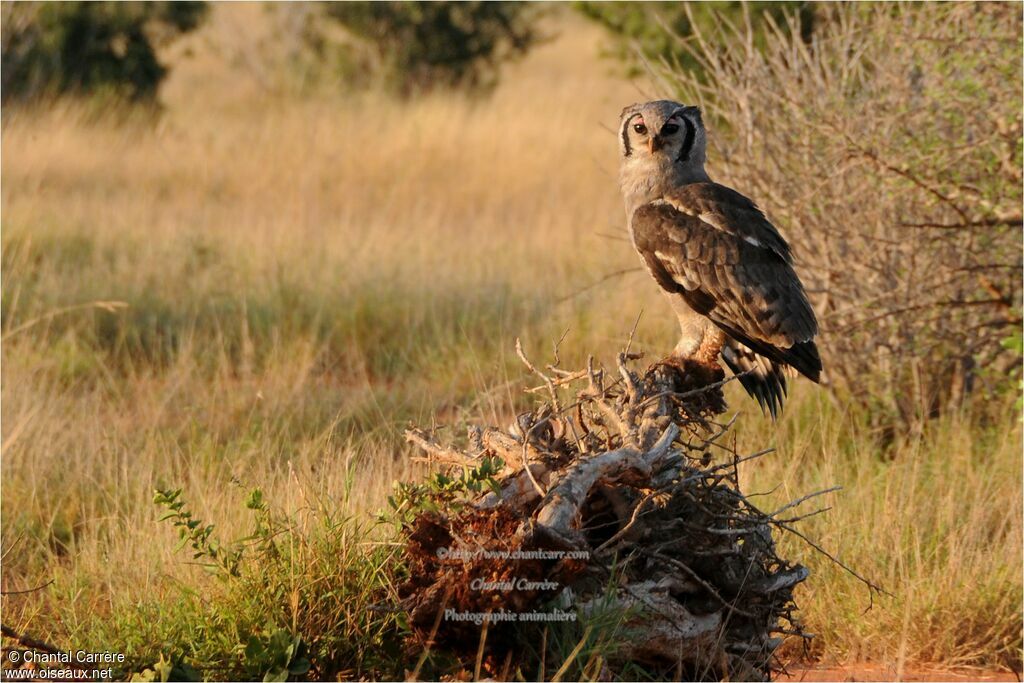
<point x="605" y="500"/>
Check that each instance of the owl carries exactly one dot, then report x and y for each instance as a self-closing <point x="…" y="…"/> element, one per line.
<point x="724" y="267"/>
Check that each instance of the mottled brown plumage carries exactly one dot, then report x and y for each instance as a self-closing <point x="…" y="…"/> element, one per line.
<point x="726" y="269"/>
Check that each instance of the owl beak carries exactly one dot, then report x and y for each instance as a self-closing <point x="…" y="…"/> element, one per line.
<point x="654" y="143"/>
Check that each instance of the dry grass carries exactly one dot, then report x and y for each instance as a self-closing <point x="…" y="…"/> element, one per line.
<point x="935" y="519"/>
<point x="304" y="277"/>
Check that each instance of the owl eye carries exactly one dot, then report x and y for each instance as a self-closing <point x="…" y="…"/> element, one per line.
<point x="640" y="128"/>
<point x="669" y="128"/>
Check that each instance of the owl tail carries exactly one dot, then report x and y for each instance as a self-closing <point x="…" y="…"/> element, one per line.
<point x="764" y="379"/>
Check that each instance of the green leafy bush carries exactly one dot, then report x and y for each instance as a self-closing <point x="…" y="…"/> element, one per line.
<point x="307" y="597"/>
<point x="441" y="491"/>
<point x="89" y="47"/>
<point x="655" y="31"/>
<point x="413" y="47"/>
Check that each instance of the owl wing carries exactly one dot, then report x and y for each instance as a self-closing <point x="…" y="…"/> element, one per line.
<point x="713" y="247"/>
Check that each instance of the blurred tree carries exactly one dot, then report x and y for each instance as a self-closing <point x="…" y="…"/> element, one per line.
<point x="416" y="46"/>
<point x="652" y="30"/>
<point x="89" y="47"/>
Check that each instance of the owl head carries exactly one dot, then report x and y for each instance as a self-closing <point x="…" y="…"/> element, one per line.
<point x="665" y="138"/>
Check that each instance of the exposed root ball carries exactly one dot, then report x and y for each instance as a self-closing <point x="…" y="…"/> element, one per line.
<point x="607" y="504"/>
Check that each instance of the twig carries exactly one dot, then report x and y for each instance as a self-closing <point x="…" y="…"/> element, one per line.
<point x="802" y="499"/>
<point x="547" y="380"/>
<point x="568" y="378"/>
<point x="108" y="306"/>
<point x="596" y="393"/>
<point x="627" y="377"/>
<point x="621" y="533"/>
<point x="752" y="456"/>
<point x="629" y="342"/>
<point x="602" y="280"/>
<point x="436" y="451"/>
<point x="704" y="584"/>
<point x="28" y="641"/>
<point x="870" y="584"/>
<point x="28" y="590"/>
<point x="526" y="460"/>
<point x="557" y="345"/>
<point x="800" y="518"/>
<point x="692" y="392"/>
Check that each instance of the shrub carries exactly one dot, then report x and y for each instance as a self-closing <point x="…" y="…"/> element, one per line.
<point x="306" y="596"/>
<point x="888" y="150"/>
<point x="412" y="47"/>
<point x="652" y="30"/>
<point x="85" y="47"/>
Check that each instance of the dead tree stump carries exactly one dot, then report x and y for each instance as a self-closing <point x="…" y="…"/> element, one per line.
<point x="613" y="496"/>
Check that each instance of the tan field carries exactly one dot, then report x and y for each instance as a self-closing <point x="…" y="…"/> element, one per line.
<point x="259" y="290"/>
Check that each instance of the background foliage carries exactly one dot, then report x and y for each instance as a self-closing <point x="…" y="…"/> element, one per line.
<point x="52" y="48"/>
<point x="657" y="32"/>
<point x="407" y="47"/>
<point x="415" y="46"/>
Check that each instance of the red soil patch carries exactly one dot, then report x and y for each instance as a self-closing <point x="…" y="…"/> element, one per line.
<point x="873" y="672"/>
